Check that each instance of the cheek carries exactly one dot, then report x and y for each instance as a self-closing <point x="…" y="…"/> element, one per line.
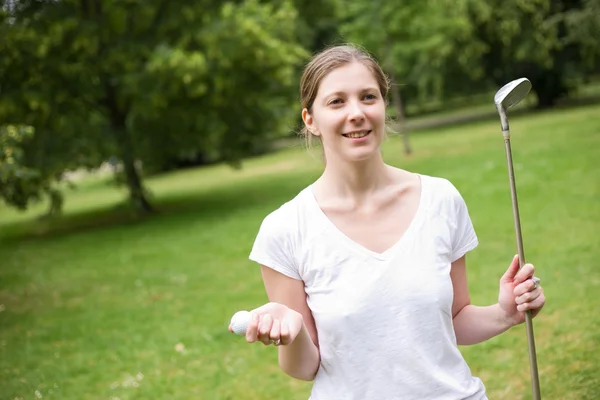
<point x="377" y="114"/>
<point x="327" y="120"/>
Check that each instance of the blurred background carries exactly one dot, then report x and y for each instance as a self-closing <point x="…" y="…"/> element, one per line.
<point x="142" y="143"/>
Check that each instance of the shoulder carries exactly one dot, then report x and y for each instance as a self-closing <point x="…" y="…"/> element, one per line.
<point x="441" y="186"/>
<point x="285" y="222"/>
<point x="286" y="215"/>
<point x="443" y="196"/>
<point x="432" y="186"/>
<point x="441" y="189"/>
<point x="278" y="242"/>
<point x="447" y="203"/>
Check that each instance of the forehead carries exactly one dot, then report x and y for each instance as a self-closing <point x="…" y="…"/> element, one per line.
<point x="351" y="77"/>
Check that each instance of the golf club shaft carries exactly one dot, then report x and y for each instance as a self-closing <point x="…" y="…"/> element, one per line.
<point x="528" y="319"/>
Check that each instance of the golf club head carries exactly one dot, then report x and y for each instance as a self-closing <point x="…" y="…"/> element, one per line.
<point x="508" y="96"/>
<point x="512" y="93"/>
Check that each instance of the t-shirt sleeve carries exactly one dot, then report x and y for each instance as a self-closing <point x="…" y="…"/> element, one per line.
<point x="274" y="247"/>
<point x="464" y="238"/>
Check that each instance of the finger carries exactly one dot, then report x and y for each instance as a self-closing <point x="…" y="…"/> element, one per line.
<point x="524" y="287"/>
<point x="512" y="270"/>
<point x="252" y="329"/>
<point x="529" y="297"/>
<point x="284" y="334"/>
<point x="275" y="330"/>
<point x="524" y="273"/>
<point x="537" y="304"/>
<point x="265" y="328"/>
<point x="264" y="309"/>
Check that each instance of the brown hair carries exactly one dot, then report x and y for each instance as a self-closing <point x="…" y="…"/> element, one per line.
<point x="328" y="60"/>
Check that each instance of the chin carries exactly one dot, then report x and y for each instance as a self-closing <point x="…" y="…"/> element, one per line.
<point x="362" y="154"/>
<point x="354" y="153"/>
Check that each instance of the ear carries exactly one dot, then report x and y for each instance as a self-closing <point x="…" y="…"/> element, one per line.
<point x="309" y="122"/>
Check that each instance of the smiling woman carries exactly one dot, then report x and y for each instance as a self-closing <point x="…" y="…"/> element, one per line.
<point x="348" y="113"/>
<point x="366" y="266"/>
<point x="324" y="88"/>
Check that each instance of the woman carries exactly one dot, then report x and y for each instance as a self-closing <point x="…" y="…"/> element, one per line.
<point x="365" y="268"/>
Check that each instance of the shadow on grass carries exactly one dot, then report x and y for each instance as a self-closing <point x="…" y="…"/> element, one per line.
<point x="270" y="191"/>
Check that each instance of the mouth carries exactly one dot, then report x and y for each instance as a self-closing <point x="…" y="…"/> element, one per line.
<point x="357" y="134"/>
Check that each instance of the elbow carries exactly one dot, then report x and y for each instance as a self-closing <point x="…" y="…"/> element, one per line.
<point x="306" y="377"/>
<point x="460" y="342"/>
<point x="456" y="311"/>
<point x="305" y="372"/>
<point x="462" y="339"/>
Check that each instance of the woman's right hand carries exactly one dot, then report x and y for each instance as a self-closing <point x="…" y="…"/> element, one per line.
<point x="274" y="323"/>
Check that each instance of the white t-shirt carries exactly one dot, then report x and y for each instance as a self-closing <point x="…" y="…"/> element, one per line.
<point x="384" y="320"/>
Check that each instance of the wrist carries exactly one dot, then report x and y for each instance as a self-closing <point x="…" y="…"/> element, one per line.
<point x="504" y="319"/>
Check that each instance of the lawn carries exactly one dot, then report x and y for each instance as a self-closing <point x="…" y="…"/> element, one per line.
<point x="100" y="305"/>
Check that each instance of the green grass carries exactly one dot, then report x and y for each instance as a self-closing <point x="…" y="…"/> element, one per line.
<point x="100" y="305"/>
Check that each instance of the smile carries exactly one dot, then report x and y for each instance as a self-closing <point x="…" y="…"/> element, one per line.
<point x="357" y="134"/>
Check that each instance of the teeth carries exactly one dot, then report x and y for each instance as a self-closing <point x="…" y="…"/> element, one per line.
<point x="357" y="135"/>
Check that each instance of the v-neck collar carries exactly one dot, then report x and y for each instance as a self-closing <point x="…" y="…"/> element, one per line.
<point x="357" y="246"/>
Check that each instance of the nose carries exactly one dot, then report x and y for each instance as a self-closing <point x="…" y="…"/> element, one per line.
<point x="356" y="113"/>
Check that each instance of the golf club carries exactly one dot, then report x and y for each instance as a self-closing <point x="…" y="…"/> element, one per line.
<point x="508" y="96"/>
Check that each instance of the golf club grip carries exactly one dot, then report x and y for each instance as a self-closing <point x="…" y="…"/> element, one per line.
<point x="528" y="318"/>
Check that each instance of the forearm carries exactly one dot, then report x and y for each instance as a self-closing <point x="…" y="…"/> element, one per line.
<point x="300" y="359"/>
<point x="474" y="324"/>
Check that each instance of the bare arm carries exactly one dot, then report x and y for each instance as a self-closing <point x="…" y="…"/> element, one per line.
<point x="301" y="358"/>
<point x="518" y="294"/>
<point x="473" y="324"/>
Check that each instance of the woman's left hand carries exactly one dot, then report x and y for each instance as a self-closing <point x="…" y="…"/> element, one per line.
<point x="520" y="291"/>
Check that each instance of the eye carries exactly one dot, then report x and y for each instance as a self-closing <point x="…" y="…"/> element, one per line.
<point x="335" y="102"/>
<point x="370" y="96"/>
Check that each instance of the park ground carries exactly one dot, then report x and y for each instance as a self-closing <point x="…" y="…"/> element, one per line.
<point x="99" y="304"/>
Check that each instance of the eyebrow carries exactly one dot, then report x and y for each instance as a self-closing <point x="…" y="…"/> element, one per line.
<point x="340" y="92"/>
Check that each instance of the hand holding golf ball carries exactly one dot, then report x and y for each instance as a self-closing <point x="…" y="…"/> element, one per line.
<point x="272" y="323"/>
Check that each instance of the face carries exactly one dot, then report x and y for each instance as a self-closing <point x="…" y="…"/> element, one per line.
<point x="348" y="114"/>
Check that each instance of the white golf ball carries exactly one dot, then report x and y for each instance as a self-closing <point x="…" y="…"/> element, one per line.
<point x="239" y="322"/>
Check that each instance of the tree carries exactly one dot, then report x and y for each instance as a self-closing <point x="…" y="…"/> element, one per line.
<point x="549" y="42"/>
<point x="423" y="45"/>
<point x="318" y="23"/>
<point x="147" y="80"/>
<point x="18" y="183"/>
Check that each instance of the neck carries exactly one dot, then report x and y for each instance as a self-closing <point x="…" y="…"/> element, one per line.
<point x="355" y="180"/>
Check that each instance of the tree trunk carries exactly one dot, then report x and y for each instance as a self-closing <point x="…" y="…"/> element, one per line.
<point x="137" y="193"/>
<point x="401" y="119"/>
<point x="125" y="145"/>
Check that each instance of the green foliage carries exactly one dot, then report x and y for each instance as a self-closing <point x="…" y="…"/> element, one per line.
<point x="152" y="83"/>
<point x="442" y="48"/>
<point x="23" y="182"/>
<point x="318" y="22"/>
<point x="245" y="82"/>
<point x="426" y="44"/>
<point x="581" y="25"/>
<point x="547" y="41"/>
<point x="18" y="183"/>
<point x="147" y="81"/>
